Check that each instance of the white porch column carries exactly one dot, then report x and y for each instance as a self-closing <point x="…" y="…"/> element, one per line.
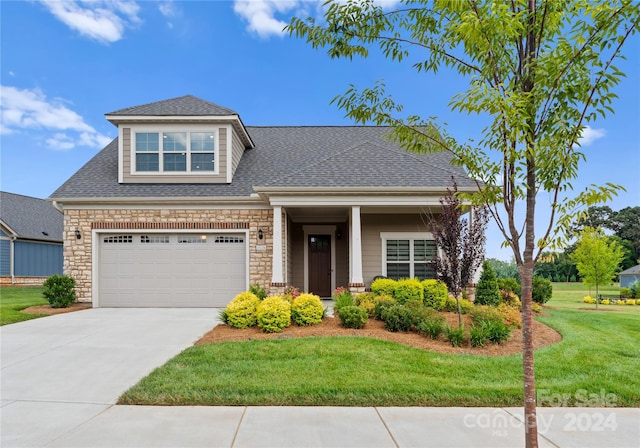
<point x="355" y="277"/>
<point x="276" y="269"/>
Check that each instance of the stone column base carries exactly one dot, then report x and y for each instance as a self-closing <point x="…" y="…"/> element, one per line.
<point x="277" y="289"/>
<point x="357" y="288"/>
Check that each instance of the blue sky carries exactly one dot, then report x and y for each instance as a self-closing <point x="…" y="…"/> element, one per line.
<point x="64" y="64"/>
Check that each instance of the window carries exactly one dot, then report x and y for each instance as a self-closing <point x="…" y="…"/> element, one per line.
<point x="228" y="239"/>
<point x="192" y="239"/>
<point x="175" y="152"/>
<point x="154" y="239"/>
<point x="118" y="239"/>
<point x="408" y="256"/>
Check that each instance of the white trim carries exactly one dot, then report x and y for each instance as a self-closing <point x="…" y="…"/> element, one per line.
<point x="229" y="129"/>
<point x="170" y="118"/>
<point x="95" y="251"/>
<point x="319" y="230"/>
<point x="411" y="236"/>
<point x="276" y="255"/>
<point x="410" y="199"/>
<point x="121" y="154"/>
<point x="156" y="203"/>
<point x="355" y="256"/>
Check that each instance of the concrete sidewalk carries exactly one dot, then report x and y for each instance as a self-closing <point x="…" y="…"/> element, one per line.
<point x="143" y="426"/>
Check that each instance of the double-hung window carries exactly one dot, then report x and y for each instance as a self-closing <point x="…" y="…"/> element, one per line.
<point x="408" y="255"/>
<point x="175" y="152"/>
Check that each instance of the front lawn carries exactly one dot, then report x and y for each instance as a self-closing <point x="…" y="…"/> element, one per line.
<point x="13" y="299"/>
<point x="597" y="357"/>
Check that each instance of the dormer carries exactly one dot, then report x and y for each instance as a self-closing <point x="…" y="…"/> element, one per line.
<point x="180" y="140"/>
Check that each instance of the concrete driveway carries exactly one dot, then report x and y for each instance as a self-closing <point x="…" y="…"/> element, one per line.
<point x="60" y="371"/>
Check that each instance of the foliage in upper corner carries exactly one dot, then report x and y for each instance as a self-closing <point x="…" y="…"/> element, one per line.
<point x="60" y="291"/>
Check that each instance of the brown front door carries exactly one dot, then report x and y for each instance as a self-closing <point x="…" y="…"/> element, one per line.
<point x="320" y="265"/>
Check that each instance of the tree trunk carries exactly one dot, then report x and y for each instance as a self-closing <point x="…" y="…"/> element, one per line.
<point x="531" y="423"/>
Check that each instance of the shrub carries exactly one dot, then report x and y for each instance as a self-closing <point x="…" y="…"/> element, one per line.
<point x="588" y="299"/>
<point x="384" y="286"/>
<point x="398" y="318"/>
<point x="630" y="302"/>
<point x="637" y="301"/>
<point x="465" y="306"/>
<point x="484" y="313"/>
<point x="368" y="302"/>
<point x="241" y="311"/>
<point x="497" y="332"/>
<point x="510" y="316"/>
<point x="382" y="303"/>
<point x="290" y="293"/>
<point x="60" y="291"/>
<point x="626" y="293"/>
<point x="510" y="284"/>
<point x="536" y="307"/>
<point x="273" y="314"/>
<point x="342" y="297"/>
<point x="620" y="302"/>
<point x="478" y="336"/>
<point x="431" y="327"/>
<point x="605" y="302"/>
<point x="455" y="336"/>
<point x="222" y="316"/>
<point x="353" y="316"/>
<point x="435" y="293"/>
<point x="542" y="290"/>
<point x="306" y="309"/>
<point x="409" y="289"/>
<point x="452" y="306"/>
<point x="510" y="298"/>
<point x="635" y="289"/>
<point x="258" y="291"/>
<point x="487" y="292"/>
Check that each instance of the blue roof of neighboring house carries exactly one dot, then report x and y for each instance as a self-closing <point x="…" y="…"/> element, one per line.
<point x="31" y="218"/>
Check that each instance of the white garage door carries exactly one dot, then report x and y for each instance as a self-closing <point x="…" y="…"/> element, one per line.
<point x="171" y="270"/>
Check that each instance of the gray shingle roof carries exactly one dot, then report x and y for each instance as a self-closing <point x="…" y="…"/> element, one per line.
<point x="351" y="156"/>
<point x="631" y="271"/>
<point x="187" y="105"/>
<point x="31" y="218"/>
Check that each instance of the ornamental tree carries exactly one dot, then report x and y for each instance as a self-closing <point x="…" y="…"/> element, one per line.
<point x="538" y="72"/>
<point x="597" y="258"/>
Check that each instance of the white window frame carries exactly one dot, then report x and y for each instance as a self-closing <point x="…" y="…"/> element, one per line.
<point x="169" y="128"/>
<point x="411" y="236"/>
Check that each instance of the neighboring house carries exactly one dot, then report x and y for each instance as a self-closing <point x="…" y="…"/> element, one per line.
<point x="188" y="207"/>
<point x="30" y="239"/>
<point x="629" y="276"/>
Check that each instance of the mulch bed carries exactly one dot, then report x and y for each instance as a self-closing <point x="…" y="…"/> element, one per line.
<point x="543" y="336"/>
<point x="46" y="309"/>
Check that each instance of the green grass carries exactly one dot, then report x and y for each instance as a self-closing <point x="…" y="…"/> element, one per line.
<point x="13" y="299"/>
<point x="569" y="296"/>
<point x="598" y="355"/>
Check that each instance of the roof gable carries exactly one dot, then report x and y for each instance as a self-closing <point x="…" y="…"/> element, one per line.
<point x="631" y="271"/>
<point x="31" y="218"/>
<point x="187" y="105"/>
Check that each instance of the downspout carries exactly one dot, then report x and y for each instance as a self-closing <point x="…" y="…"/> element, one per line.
<point x="57" y="206"/>
<point x="12" y="259"/>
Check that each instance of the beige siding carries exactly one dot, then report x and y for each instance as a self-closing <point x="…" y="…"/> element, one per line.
<point x="219" y="178"/>
<point x="372" y="225"/>
<point x="237" y="151"/>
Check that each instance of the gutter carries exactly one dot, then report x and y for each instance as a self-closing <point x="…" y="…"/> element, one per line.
<point x="57" y="206"/>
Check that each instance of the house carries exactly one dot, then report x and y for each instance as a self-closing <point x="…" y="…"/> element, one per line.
<point x="188" y="206"/>
<point x="629" y="276"/>
<point x="30" y="239"/>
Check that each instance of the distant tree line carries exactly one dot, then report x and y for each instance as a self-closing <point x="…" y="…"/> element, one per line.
<point x="622" y="226"/>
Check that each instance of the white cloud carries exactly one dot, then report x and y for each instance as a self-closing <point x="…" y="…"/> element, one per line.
<point x="29" y="109"/>
<point x="170" y="10"/>
<point x="590" y="135"/>
<point x="261" y="14"/>
<point x="101" y="20"/>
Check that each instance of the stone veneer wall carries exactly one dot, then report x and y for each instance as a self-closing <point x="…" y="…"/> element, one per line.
<point x="77" y="252"/>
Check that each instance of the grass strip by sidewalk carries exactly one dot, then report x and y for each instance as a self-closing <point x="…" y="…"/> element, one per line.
<point x="14" y="299"/>
<point x="598" y="354"/>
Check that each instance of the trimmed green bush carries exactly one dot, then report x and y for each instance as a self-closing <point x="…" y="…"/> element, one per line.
<point x="353" y="317"/>
<point x="384" y="286"/>
<point x="487" y="292"/>
<point x="409" y="289"/>
<point x="454" y="336"/>
<point x="307" y="309"/>
<point x="273" y="314"/>
<point x="241" y="311"/>
<point x="60" y="291"/>
<point x="342" y="297"/>
<point x="398" y="318"/>
<point x="509" y="284"/>
<point x="382" y="303"/>
<point x="435" y="293"/>
<point x="542" y="290"/>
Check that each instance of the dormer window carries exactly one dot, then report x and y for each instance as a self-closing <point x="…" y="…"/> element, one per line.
<point x="175" y="152"/>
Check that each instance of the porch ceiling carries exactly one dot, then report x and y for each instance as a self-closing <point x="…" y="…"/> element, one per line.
<point x="341" y="214"/>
